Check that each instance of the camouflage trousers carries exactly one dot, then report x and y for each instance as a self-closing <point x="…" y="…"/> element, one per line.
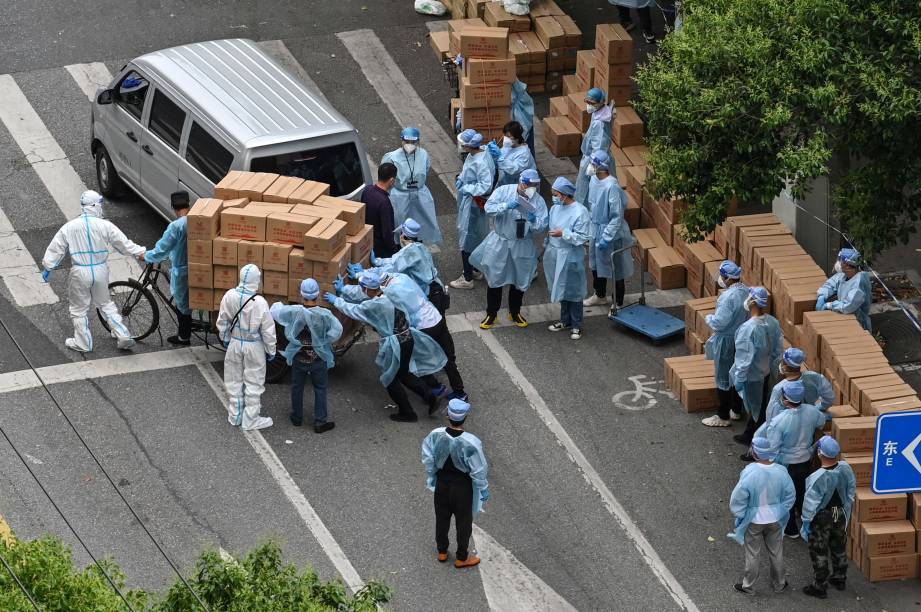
<point x="827" y="546"/>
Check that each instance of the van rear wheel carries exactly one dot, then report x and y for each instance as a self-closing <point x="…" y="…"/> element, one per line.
<point x="110" y="184"/>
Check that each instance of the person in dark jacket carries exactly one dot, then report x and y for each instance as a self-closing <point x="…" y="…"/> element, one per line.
<point x="379" y="210"/>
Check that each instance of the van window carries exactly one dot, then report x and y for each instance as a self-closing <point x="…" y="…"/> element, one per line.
<point x="131" y="92"/>
<point x="338" y="165"/>
<point x="207" y="155"/>
<point x="166" y="119"/>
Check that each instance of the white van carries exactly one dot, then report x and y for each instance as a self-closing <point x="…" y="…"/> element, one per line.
<point x="181" y="118"/>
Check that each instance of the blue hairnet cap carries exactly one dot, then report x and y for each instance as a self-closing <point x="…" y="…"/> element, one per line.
<point x="458" y="409"/>
<point x="310" y="289"/>
<point x="761" y="448"/>
<point x="564" y="186"/>
<point x="470" y="138"/>
<point x="794" y="390"/>
<point x="600" y="158"/>
<point x="370" y="279"/>
<point x="410" y="133"/>
<point x="595" y="94"/>
<point x="849" y="256"/>
<point x="760" y="296"/>
<point x="829" y="447"/>
<point x="794" y="357"/>
<point x="410" y="228"/>
<point x="730" y="269"/>
<point x="529" y="177"/>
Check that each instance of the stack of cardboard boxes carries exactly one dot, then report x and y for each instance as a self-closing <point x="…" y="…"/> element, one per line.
<point x="291" y="228"/>
<point x="691" y="379"/>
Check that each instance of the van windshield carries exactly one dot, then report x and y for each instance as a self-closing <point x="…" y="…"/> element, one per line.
<point x="338" y="165"/>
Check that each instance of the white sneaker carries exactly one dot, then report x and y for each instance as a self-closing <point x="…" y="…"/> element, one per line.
<point x="715" y="421"/>
<point x="125" y="343"/>
<point x="461" y="283"/>
<point x="72" y="345"/>
<point x="576" y="334"/>
<point x="594" y="300"/>
<point x="259" y="423"/>
<point x="477" y="275"/>
<point x="558" y="326"/>
<point x="735" y="416"/>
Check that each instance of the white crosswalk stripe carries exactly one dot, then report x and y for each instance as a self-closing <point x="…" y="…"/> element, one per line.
<point x="20" y="273"/>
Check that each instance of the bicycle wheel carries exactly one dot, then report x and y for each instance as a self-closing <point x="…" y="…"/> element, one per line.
<point x="137" y="306"/>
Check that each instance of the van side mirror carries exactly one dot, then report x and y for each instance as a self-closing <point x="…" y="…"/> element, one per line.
<point x="106" y="96"/>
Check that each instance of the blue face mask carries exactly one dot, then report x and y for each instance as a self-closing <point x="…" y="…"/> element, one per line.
<point x="557" y="200"/>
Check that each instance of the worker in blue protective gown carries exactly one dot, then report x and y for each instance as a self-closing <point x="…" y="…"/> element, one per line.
<point x="597" y="138"/>
<point x="410" y="195"/>
<point x="523" y="112"/>
<point x="791" y="432"/>
<point x="570" y="228"/>
<point x="607" y="203"/>
<point x="311" y="332"/>
<point x="513" y="157"/>
<point x="827" y="504"/>
<point x="720" y="347"/>
<point x="850" y="287"/>
<point x="456" y="472"/>
<point x="403" y="352"/>
<point x="759" y="345"/>
<point x="819" y="391"/>
<point x="761" y="503"/>
<point x="173" y="245"/>
<point x="474" y="183"/>
<point x="508" y="255"/>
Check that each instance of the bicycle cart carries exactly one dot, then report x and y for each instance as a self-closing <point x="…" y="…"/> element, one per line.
<point x="649" y="321"/>
<point x="137" y="303"/>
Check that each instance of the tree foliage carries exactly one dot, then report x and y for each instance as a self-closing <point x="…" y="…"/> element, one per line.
<point x="750" y="94"/>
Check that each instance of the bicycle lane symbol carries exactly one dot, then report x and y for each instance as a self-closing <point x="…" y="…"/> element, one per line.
<point x="642" y="396"/>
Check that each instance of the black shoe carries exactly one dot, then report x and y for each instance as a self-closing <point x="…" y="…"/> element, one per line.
<point x="324" y="427"/>
<point x="435" y="404"/>
<point x="649" y="37"/>
<point x="813" y="591"/>
<point x="738" y="587"/>
<point x="295" y="421"/>
<point x="747" y="457"/>
<point x="404" y="418"/>
<point x="628" y="25"/>
<point x="838" y="584"/>
<point x="741" y="439"/>
<point x="179" y="341"/>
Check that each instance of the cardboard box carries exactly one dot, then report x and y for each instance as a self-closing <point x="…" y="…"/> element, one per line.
<point x="879" y="394"/>
<point x="696" y="254"/>
<point x="572" y="85"/>
<point x="496" y="16"/>
<point x="201" y="276"/>
<point x="585" y="67"/>
<point x="361" y="243"/>
<point x="627" y="129"/>
<point x="482" y="95"/>
<point x="224" y="251"/>
<point x="225" y="277"/>
<point x="636" y="182"/>
<point x="487" y="43"/>
<point x="485" y="118"/>
<point x="288" y="228"/>
<point x="246" y="224"/>
<point x="275" y="256"/>
<point x="308" y="192"/>
<point x="855" y="434"/>
<point x="440" y="42"/>
<point x="274" y="283"/>
<point x="618" y="95"/>
<point x="545" y="8"/>
<point x="324" y="239"/>
<point x="897" y="404"/>
<point x="527" y="49"/>
<point x="199" y="251"/>
<point x="890" y="567"/>
<point x="699" y="394"/>
<point x="632" y="212"/>
<point x="614" y="74"/>
<point x="268" y="207"/>
<point x="562" y="59"/>
<point x="201" y="298"/>
<point x="334" y="267"/>
<point x="613" y="44"/>
<point x="235" y="203"/>
<point x="280" y="190"/>
<point x="249" y="252"/>
<point x="561" y="136"/>
<point x="257" y="184"/>
<point x="353" y="213"/>
<point x="559" y="106"/>
<point x="204" y="219"/>
<point x="490" y="70"/>
<point x="476" y="8"/>
<point x="873" y="507"/>
<point x="576" y="111"/>
<point x="299" y="267"/>
<point x="556" y="31"/>
<point x="639" y="155"/>
<point x="666" y="268"/>
<point x="862" y="466"/>
<point x="887" y="538"/>
<point x="228" y="188"/>
<point x="914" y="511"/>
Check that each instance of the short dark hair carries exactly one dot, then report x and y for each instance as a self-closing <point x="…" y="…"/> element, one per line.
<point x="179" y="200"/>
<point x="386" y="171"/>
<point x="456" y="423"/>
<point x="514" y="128"/>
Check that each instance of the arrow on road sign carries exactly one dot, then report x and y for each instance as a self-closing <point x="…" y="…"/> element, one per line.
<point x="509" y="585"/>
<point x="909" y="453"/>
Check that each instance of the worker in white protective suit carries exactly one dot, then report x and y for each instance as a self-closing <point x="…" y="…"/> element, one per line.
<point x="88" y="239"/>
<point x="247" y="330"/>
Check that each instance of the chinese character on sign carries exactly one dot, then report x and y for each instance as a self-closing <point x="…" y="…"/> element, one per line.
<point x="889" y="449"/>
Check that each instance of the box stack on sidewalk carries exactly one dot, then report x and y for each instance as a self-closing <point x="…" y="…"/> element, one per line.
<point x="291" y="228"/>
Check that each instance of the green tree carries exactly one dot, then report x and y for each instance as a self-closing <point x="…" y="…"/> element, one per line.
<point x="750" y="94"/>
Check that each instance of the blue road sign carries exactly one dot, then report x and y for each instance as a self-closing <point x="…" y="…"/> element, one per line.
<point x="897" y="460"/>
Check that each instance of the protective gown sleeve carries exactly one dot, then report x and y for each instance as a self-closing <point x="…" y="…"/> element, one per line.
<point x="830" y="287"/>
<point x="745" y="354"/>
<point x="850" y="303"/>
<point x="164" y="246"/>
<point x="738" y="501"/>
<point x="353" y="311"/>
<point x="617" y="199"/>
<point x="816" y="487"/>
<point x="354" y="294"/>
<point x="484" y="177"/>
<point x="267" y="328"/>
<point x="120" y="242"/>
<point x="720" y="320"/>
<point x="428" y="459"/>
<point x="56" y="251"/>
<point x="498" y="201"/>
<point x="542" y="217"/>
<point x="223" y="316"/>
<point x="826" y="393"/>
<point x="476" y="462"/>
<point x="776" y="338"/>
<point x="513" y="162"/>
<point x="789" y="493"/>
<point x="579" y="233"/>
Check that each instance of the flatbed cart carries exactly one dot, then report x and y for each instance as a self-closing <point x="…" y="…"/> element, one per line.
<point x="651" y="322"/>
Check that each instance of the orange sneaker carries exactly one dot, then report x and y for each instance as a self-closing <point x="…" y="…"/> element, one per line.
<point x="468" y="562"/>
<point x="442" y="557"/>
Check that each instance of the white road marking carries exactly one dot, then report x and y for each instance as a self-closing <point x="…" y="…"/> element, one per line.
<point x="20" y="273"/>
<point x="509" y="585"/>
<point x="630" y="528"/>
<point x="633" y="400"/>
<point x="404" y="103"/>
<point x="275" y="467"/>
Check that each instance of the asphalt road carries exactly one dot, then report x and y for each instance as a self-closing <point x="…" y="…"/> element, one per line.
<point x="196" y="482"/>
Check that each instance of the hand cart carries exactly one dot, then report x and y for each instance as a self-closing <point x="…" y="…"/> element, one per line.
<point x="651" y="322"/>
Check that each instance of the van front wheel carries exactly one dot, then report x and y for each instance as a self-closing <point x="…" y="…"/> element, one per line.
<point x="107" y="178"/>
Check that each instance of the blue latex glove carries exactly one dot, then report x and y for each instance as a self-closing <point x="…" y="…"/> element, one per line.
<point x="338" y="284"/>
<point x="834" y="306"/>
<point x="373" y="258"/>
<point x="484" y="495"/>
<point x="494" y="150"/>
<point x="602" y="244"/>
<point x="457" y="183"/>
<point x="820" y="303"/>
<point x="330" y="297"/>
<point x="270" y="357"/>
<point x="354" y="270"/>
<point x="225" y="343"/>
<point x="46" y="274"/>
<point x="512" y="205"/>
<point x="804" y="532"/>
<point x="532" y="218"/>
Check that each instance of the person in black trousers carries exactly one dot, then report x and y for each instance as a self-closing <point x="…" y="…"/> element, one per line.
<point x="379" y="210"/>
<point x="644" y="13"/>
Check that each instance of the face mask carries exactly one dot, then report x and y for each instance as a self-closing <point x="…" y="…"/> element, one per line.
<point x="557" y="200"/>
<point x="460" y="149"/>
<point x="590" y="170"/>
<point x="721" y="282"/>
<point x="530" y="191"/>
<point x="838" y="267"/>
<point x="409" y="148"/>
<point x="590" y="108"/>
